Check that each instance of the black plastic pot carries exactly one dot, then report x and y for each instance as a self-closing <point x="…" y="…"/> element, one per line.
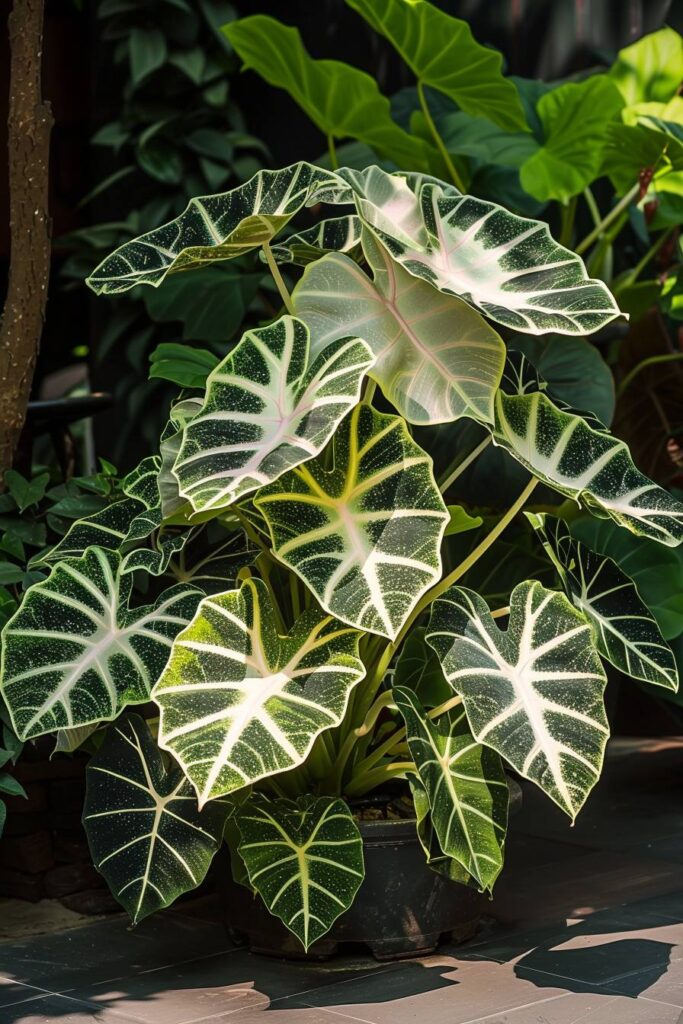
<point x="402" y="908"/>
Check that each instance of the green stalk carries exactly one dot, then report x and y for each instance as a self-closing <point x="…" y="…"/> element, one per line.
<point x="608" y="219"/>
<point x="362" y="784"/>
<point x="632" y="276"/>
<point x="592" y="205"/>
<point x="277" y="277"/>
<point x="568" y="213"/>
<point x="454" y="473"/>
<point x="670" y="357"/>
<point x="331" y="149"/>
<point x="440" y="145"/>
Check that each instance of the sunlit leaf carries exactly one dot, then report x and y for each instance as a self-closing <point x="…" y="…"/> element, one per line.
<point x="533" y="692"/>
<point x="365" y="535"/>
<point x="239" y="702"/>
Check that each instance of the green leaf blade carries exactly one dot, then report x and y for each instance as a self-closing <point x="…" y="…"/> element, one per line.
<point x="239" y="703"/>
<point x="534" y="692"/>
<point x="266" y="410"/>
<point x="305" y="859"/>
<point x="146" y="834"/>
<point x="364" y="537"/>
<point x="465" y="785"/>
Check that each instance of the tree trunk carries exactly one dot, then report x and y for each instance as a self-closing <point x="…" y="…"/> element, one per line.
<point x="29" y="124"/>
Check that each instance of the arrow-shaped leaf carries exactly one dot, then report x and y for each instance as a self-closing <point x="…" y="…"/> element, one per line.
<point x="533" y="692"/>
<point x="218" y="227"/>
<point x="240" y="703"/>
<point x="266" y="410"/>
<point x="75" y="653"/>
<point x="626" y="632"/>
<point x="465" y="785"/>
<point x="365" y="535"/>
<point x="305" y="858"/>
<point x="146" y="834"/>
<point x="508" y="267"/>
<point x="434" y="360"/>
<point x="589" y="465"/>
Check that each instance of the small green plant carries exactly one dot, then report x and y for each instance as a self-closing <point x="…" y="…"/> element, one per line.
<point x="315" y="627"/>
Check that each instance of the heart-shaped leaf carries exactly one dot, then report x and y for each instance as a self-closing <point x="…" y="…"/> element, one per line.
<point x="434" y="360"/>
<point x="342" y="101"/>
<point x="533" y="692"/>
<point x="365" y="535"/>
<point x="75" y="653"/>
<point x="146" y="834"/>
<point x="240" y="703"/>
<point x="266" y="410"/>
<point x="508" y="267"/>
<point x="626" y="632"/>
<point x="565" y="451"/>
<point x="441" y="52"/>
<point x="304" y="858"/>
<point x="650" y="69"/>
<point x="465" y="785"/>
<point x="218" y="227"/>
<point x="574" y="117"/>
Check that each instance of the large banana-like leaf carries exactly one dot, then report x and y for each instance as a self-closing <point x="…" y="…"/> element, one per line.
<point x="626" y="632"/>
<point x="365" y="535"/>
<point x="266" y="410"/>
<point x="434" y="360"/>
<point x="338" y="234"/>
<point x="75" y="653"/>
<point x="240" y="703"/>
<point x="508" y="267"/>
<point x="533" y="692"/>
<point x="305" y="858"/>
<point x="441" y="52"/>
<point x="218" y="227"/>
<point x="465" y="785"/>
<point x="146" y="834"/>
<point x="574" y="458"/>
<point x="341" y="100"/>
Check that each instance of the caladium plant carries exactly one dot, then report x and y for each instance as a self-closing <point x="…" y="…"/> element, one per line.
<point x="306" y="639"/>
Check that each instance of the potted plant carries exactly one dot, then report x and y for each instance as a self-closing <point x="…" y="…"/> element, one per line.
<point x="307" y="639"/>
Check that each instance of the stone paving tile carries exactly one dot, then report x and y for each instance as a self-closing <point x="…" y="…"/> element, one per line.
<point x="221" y="985"/>
<point x="435" y="990"/>
<point x="585" y="1008"/>
<point x="53" y="1009"/>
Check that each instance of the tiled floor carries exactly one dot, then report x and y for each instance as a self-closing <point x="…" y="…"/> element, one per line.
<point x="586" y="928"/>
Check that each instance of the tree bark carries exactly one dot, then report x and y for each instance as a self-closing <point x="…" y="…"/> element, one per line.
<point x="29" y="125"/>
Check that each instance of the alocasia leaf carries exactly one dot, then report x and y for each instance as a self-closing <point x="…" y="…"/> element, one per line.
<point x="465" y="785"/>
<point x="651" y="68"/>
<point x="342" y="101"/>
<point x="574" y="117"/>
<point x="146" y="834"/>
<point x="626" y="632"/>
<point x="418" y="669"/>
<point x="508" y="267"/>
<point x="267" y="408"/>
<point x="76" y="653"/>
<point x="338" y="234"/>
<point x="304" y="858"/>
<point x="434" y="360"/>
<point x="580" y="461"/>
<point x="441" y="52"/>
<point x="239" y="702"/>
<point x="365" y="535"/>
<point x="218" y="227"/>
<point x="533" y="692"/>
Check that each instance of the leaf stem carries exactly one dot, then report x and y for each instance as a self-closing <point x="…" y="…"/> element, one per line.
<point x="670" y="357"/>
<point x="440" y="145"/>
<point x="568" y="213"/>
<point x="331" y="149"/>
<point x="453" y="474"/>
<point x="592" y="205"/>
<point x="277" y="277"/>
<point x="362" y="784"/>
<point x="634" y="274"/>
<point x="608" y="219"/>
